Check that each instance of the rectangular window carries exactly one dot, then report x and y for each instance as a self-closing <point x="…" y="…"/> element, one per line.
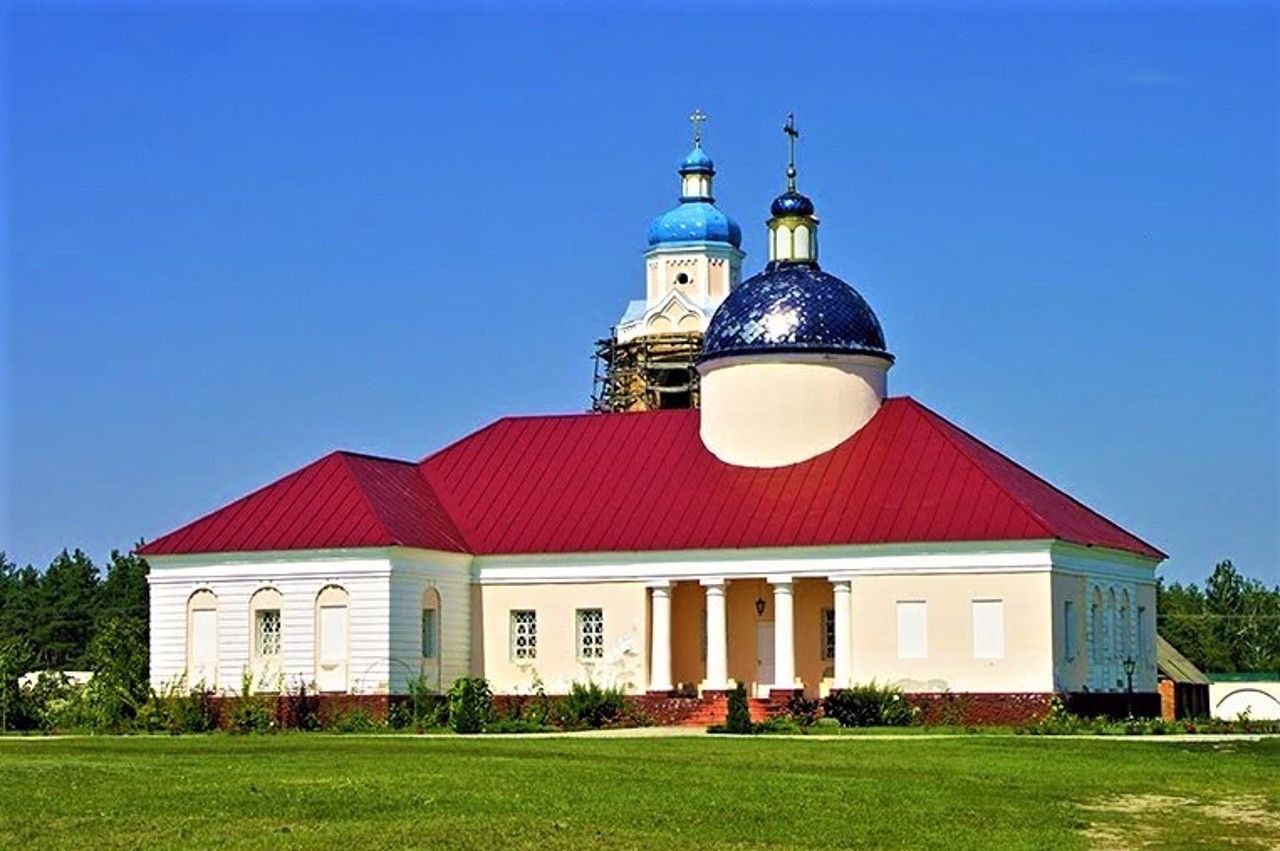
<point x="828" y="634"/>
<point x="430" y="634"/>
<point x="988" y="629"/>
<point x="333" y="634"/>
<point x="1068" y="630"/>
<point x="267" y="632"/>
<point x="913" y="629"/>
<point x="590" y="633"/>
<point x="524" y="635"/>
<point x="204" y="638"/>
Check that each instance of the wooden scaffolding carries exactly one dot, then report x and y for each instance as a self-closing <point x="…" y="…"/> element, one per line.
<point x="646" y="374"/>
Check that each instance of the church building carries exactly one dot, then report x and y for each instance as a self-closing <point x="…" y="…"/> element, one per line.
<point x="754" y="508"/>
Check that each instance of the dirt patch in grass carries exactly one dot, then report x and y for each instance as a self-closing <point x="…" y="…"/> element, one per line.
<point x="1145" y="821"/>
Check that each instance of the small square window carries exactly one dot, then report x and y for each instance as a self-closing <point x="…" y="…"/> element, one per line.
<point x="524" y="635"/>
<point x="430" y="633"/>
<point x="267" y="632"/>
<point x="590" y="633"/>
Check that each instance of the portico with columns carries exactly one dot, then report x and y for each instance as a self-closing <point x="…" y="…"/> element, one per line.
<point x="771" y="633"/>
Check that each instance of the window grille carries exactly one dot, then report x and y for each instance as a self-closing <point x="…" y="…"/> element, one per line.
<point x="430" y="634"/>
<point x="267" y="633"/>
<point x="590" y="633"/>
<point x="524" y="634"/>
<point x="828" y="633"/>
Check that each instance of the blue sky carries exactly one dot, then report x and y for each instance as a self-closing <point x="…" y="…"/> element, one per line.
<point x="238" y="239"/>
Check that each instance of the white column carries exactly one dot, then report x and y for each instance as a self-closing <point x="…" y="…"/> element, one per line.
<point x="660" y="639"/>
<point x="717" y="637"/>
<point x="784" y="642"/>
<point x="843" y="605"/>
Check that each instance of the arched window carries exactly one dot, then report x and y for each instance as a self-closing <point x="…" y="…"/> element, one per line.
<point x="1096" y="676"/>
<point x="431" y="638"/>
<point x="202" y="639"/>
<point x="1125" y="646"/>
<point x="331" y="639"/>
<point x="802" y="243"/>
<point x="1112" y="646"/>
<point x="266" y="639"/>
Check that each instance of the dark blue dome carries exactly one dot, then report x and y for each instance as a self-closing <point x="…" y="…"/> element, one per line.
<point x="791" y="203"/>
<point x="695" y="221"/>
<point x="794" y="307"/>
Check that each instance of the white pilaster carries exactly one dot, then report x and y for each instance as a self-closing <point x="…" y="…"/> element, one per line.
<point x="843" y="604"/>
<point x="784" y="644"/>
<point x="717" y="637"/>
<point x="660" y="638"/>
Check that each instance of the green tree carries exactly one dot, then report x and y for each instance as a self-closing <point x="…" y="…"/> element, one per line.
<point x="118" y="655"/>
<point x="15" y="660"/>
<point x="62" y="619"/>
<point x="123" y="592"/>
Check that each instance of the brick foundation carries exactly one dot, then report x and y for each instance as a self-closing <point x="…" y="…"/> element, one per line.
<point x="291" y="711"/>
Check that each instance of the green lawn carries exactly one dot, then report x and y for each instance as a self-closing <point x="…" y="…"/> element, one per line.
<point x="310" y="791"/>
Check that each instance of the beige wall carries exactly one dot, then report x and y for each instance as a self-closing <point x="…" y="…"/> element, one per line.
<point x="1027" y="664"/>
<point x="688" y="659"/>
<point x="782" y="409"/>
<point x="625" y="662"/>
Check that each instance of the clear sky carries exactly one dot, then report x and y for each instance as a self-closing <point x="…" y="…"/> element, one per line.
<point x="238" y="239"/>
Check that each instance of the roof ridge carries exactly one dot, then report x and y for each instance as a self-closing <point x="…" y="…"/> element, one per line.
<point x="444" y="509"/>
<point x="351" y="453"/>
<point x="1036" y="514"/>
<point x="364" y="495"/>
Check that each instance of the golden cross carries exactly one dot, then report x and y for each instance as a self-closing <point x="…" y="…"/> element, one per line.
<point x="792" y="135"/>
<point x="697" y="118"/>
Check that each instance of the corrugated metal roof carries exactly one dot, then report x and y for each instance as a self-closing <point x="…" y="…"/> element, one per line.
<point x="342" y="500"/>
<point x="1174" y="665"/>
<point x="644" y="482"/>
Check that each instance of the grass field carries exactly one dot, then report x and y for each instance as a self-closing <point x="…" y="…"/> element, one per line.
<point x="310" y="791"/>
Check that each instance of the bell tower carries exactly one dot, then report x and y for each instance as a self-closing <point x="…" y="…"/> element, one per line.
<point x="693" y="262"/>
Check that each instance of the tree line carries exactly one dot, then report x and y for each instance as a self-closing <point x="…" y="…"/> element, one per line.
<point x="54" y="615"/>
<point x="1232" y="625"/>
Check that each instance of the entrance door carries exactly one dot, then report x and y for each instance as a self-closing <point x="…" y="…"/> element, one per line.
<point x="764" y="658"/>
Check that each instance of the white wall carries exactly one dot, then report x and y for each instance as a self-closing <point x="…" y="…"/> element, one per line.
<point x="299" y="579"/>
<point x="412" y="572"/>
<point x="1260" y="699"/>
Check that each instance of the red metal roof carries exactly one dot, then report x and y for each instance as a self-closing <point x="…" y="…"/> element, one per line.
<point x="341" y="500"/>
<point x="644" y="481"/>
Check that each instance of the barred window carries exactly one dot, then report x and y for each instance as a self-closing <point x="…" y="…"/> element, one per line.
<point x="828" y="633"/>
<point x="267" y="632"/>
<point x="524" y="634"/>
<point x="590" y="633"/>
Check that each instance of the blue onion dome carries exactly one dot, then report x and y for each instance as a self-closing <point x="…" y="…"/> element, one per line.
<point x="695" y="221"/>
<point x="791" y="203"/>
<point x="697" y="162"/>
<point x="794" y="307"/>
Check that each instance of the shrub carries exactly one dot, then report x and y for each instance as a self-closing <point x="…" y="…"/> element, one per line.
<point x="251" y="713"/>
<point x="354" y="721"/>
<point x="118" y="656"/>
<point x="470" y="705"/>
<point x="591" y="706"/>
<point x="299" y="708"/>
<point x="424" y="708"/>
<point x="739" y="717"/>
<point x="803" y="711"/>
<point x="869" y="705"/>
<point x="176" y="709"/>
